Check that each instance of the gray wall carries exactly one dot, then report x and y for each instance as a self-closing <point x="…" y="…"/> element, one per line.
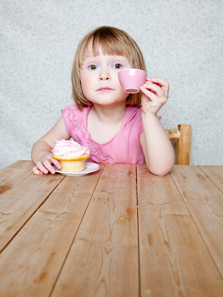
<point x="182" y="41"/>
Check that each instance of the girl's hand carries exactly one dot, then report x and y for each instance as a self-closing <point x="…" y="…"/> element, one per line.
<point x="155" y="95"/>
<point x="44" y="164"/>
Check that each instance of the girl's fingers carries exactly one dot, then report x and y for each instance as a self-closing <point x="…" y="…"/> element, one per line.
<point x="154" y="88"/>
<point x="41" y="167"/>
<point x="155" y="94"/>
<point x="36" y="170"/>
<point x="162" y="82"/>
<point x="152" y="97"/>
<point x="46" y="166"/>
<point x="56" y="163"/>
<point x="49" y="167"/>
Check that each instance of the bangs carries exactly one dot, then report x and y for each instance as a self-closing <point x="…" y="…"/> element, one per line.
<point x="110" y="43"/>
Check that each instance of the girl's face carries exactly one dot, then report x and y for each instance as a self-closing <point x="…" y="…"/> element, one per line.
<point x="99" y="77"/>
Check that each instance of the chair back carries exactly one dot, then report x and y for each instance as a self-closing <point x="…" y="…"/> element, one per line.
<point x="183" y="137"/>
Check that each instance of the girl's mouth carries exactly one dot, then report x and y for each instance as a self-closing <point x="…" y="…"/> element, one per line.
<point x="104" y="89"/>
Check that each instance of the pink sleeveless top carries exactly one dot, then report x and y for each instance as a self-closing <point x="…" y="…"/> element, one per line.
<point x="124" y="147"/>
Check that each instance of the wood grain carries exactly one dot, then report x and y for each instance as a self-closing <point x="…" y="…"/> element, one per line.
<point x="174" y="260"/>
<point x="205" y="203"/>
<point x="215" y="173"/>
<point x="173" y="134"/>
<point x="31" y="263"/>
<point x="12" y="175"/>
<point x="115" y="232"/>
<point x="184" y="145"/>
<point x="19" y="204"/>
<point x="103" y="260"/>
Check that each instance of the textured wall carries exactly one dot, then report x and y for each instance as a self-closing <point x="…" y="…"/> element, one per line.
<point x="182" y="41"/>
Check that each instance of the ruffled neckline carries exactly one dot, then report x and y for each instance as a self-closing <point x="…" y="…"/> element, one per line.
<point x="129" y="114"/>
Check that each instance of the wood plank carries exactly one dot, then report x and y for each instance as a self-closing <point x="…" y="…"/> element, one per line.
<point x="103" y="260"/>
<point x="205" y="202"/>
<point x="174" y="261"/>
<point x="14" y="174"/>
<point x="19" y="204"/>
<point x="215" y="173"/>
<point x="30" y="264"/>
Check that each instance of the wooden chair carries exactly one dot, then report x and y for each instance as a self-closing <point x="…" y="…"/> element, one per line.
<point x="183" y="148"/>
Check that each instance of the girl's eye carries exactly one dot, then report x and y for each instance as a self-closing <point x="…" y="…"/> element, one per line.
<point x="117" y="66"/>
<point x="92" y="67"/>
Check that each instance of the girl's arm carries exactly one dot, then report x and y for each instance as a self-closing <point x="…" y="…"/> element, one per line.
<point x="157" y="148"/>
<point x="41" y="151"/>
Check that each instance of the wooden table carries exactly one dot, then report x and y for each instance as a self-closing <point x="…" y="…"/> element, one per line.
<point x="120" y="231"/>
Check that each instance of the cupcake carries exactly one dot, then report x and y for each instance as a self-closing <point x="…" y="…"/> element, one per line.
<point x="71" y="155"/>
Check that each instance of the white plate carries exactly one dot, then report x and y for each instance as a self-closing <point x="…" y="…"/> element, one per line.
<point x="89" y="168"/>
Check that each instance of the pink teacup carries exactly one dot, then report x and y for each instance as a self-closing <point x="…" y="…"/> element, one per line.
<point x="132" y="79"/>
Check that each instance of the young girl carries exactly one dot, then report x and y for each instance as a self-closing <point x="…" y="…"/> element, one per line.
<point x="115" y="126"/>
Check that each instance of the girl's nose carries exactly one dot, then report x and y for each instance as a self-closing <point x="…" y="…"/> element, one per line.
<point x="104" y="75"/>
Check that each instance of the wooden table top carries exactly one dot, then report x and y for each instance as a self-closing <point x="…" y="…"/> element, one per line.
<point x="120" y="231"/>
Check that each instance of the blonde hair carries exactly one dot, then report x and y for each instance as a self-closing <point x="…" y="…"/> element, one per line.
<point x="113" y="41"/>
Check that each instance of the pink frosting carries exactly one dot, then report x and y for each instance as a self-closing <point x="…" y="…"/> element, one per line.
<point x="69" y="148"/>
